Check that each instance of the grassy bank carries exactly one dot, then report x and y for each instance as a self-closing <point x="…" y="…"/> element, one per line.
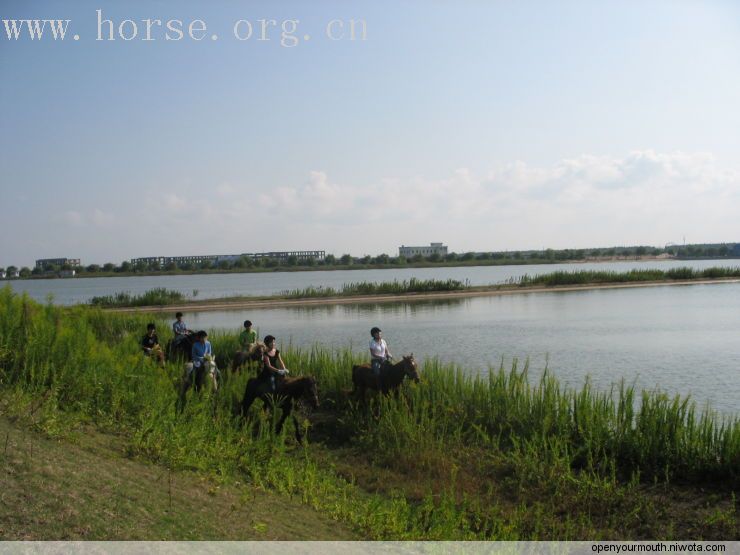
<point x="394" y="287"/>
<point x="587" y="277"/>
<point x="455" y="457"/>
<point x="158" y="296"/>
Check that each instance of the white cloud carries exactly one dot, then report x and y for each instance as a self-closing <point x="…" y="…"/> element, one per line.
<point x="101" y="218"/>
<point x="73" y="218"/>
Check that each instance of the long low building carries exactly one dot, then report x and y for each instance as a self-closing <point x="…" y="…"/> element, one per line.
<point x="216" y="258"/>
<point x="44" y="263"/>
<point x="433" y="248"/>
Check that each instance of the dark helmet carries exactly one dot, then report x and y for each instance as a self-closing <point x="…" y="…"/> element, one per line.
<point x="375" y="330"/>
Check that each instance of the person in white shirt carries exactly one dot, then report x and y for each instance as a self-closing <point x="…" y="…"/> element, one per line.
<point x="379" y="353"/>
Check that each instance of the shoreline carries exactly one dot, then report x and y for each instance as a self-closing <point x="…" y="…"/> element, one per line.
<point x="360" y="266"/>
<point x="244" y="303"/>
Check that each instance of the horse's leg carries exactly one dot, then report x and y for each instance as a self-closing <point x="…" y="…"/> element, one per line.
<point x="200" y="376"/>
<point x="298" y="436"/>
<point x="287" y="406"/>
<point x="187" y="381"/>
<point x="250" y="394"/>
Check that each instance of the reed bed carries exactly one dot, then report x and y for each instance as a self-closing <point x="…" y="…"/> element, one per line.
<point x="585" y="277"/>
<point x="394" y="287"/>
<point x="153" y="297"/>
<point x="83" y="365"/>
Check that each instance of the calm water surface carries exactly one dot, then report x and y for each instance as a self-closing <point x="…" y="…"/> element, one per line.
<point x="209" y="286"/>
<point x="682" y="339"/>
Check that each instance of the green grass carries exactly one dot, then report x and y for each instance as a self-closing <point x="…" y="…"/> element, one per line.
<point x="394" y="287"/>
<point x="81" y="487"/>
<point x="458" y="456"/>
<point x="585" y="277"/>
<point x="153" y="297"/>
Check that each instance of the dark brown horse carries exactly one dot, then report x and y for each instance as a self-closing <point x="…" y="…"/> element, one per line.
<point x="391" y="376"/>
<point x="289" y="390"/>
<point x="247" y="357"/>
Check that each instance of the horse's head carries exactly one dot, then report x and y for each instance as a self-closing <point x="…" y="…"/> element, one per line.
<point x="257" y="351"/>
<point x="311" y="391"/>
<point x="209" y="364"/>
<point x="410" y="367"/>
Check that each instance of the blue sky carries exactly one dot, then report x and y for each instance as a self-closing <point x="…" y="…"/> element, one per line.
<point x="486" y="125"/>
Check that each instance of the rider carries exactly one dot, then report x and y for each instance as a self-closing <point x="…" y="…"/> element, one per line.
<point x="272" y="364"/>
<point x="180" y="328"/>
<point x="379" y="353"/>
<point x="201" y="348"/>
<point x="248" y="337"/>
<point x="150" y="344"/>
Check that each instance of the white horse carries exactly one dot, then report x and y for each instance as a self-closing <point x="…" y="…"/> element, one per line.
<point x="196" y="375"/>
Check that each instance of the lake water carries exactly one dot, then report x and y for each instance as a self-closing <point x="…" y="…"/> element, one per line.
<point x="683" y="339"/>
<point x="210" y="286"/>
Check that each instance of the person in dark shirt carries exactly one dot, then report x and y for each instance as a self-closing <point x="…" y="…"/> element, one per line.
<point x="273" y="367"/>
<point x="150" y="344"/>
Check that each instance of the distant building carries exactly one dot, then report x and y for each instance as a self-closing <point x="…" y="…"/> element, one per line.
<point x="433" y="248"/>
<point x="3" y="274"/>
<point x="47" y="263"/>
<point x="162" y="261"/>
<point x="735" y="250"/>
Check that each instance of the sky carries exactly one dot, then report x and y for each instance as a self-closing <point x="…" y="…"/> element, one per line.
<point x="486" y="125"/>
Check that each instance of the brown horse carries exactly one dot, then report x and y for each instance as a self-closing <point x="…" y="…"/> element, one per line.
<point x="248" y="357"/>
<point x="289" y="390"/>
<point x="391" y="376"/>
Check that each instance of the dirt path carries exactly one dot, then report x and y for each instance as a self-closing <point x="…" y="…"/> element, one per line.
<point x="484" y="291"/>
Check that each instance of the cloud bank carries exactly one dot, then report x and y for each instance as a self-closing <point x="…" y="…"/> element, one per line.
<point x="644" y="197"/>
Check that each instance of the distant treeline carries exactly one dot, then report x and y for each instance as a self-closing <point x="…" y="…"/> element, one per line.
<point x="346" y="261"/>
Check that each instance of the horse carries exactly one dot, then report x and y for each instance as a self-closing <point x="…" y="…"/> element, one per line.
<point x="197" y="376"/>
<point x="182" y="349"/>
<point x="391" y="376"/>
<point x="289" y="390"/>
<point x="248" y="357"/>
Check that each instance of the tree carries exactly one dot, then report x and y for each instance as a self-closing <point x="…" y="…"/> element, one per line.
<point x="346" y="259"/>
<point x="367" y="259"/>
<point x="468" y="256"/>
<point x="451" y="256"/>
<point x="382" y="259"/>
<point x="125" y="266"/>
<point x="224" y="264"/>
<point x="92" y="268"/>
<point x="171" y="266"/>
<point x="330" y="260"/>
<point x="25" y="272"/>
<point x="310" y="261"/>
<point x="292" y="260"/>
<point x="11" y="270"/>
<point x="435" y="257"/>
